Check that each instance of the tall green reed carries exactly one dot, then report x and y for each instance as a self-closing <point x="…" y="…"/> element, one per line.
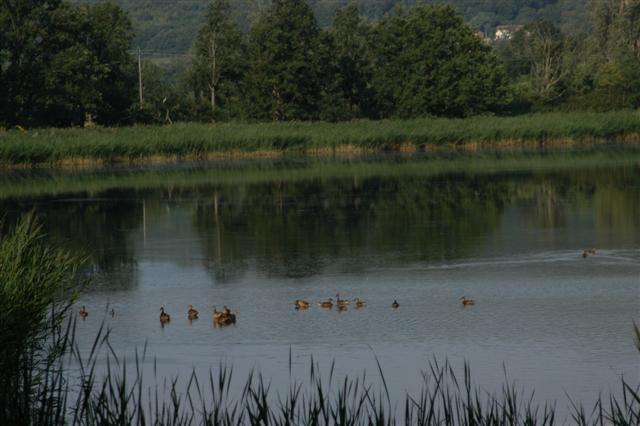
<point x="447" y="398"/>
<point x="37" y="288"/>
<point x="195" y="140"/>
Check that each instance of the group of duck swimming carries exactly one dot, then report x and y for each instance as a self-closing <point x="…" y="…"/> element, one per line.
<point x="342" y="304"/>
<point x="224" y="317"/>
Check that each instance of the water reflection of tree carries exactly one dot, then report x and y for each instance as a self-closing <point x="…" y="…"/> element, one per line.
<point x="300" y="228"/>
<point x="608" y="197"/>
<point x="216" y="219"/>
<point x="297" y="229"/>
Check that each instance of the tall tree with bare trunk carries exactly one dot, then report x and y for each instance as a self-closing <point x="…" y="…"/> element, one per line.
<point x="217" y="69"/>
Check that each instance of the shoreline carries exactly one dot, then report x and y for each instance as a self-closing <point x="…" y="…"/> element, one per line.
<point x="510" y="146"/>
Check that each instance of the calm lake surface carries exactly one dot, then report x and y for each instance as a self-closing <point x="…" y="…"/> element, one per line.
<point x="256" y="235"/>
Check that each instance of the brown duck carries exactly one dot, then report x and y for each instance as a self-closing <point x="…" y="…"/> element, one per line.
<point x="359" y="303"/>
<point x="192" y="314"/>
<point x="164" y="317"/>
<point x="326" y="304"/>
<point x="467" y="302"/>
<point x="301" y="304"/>
<point x="341" y="302"/>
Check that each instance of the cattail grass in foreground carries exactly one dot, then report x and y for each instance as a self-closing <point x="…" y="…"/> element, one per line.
<point x="37" y="287"/>
<point x="199" y="141"/>
<point x="447" y="398"/>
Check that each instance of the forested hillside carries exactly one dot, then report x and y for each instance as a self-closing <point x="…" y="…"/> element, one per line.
<point x="170" y="26"/>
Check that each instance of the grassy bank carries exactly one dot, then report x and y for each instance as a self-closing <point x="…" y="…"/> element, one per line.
<point x="200" y="141"/>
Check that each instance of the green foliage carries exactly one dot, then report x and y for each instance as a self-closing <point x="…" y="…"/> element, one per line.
<point x="216" y="75"/>
<point x="59" y="63"/>
<point x="283" y="79"/>
<point x="538" y="57"/>
<point x="36" y="290"/>
<point x="351" y="49"/>
<point x="600" y="71"/>
<point x="428" y="61"/>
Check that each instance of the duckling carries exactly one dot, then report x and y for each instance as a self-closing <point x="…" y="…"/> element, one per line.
<point x="360" y="303"/>
<point x="192" y="314"/>
<point x="341" y="302"/>
<point x="326" y="304"/>
<point x="164" y="317"/>
<point x="301" y="304"/>
<point x="395" y="304"/>
<point x="585" y="253"/>
<point x="467" y="302"/>
<point x="83" y="312"/>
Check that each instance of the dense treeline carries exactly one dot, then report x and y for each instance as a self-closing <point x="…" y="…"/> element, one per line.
<point x="65" y="65"/>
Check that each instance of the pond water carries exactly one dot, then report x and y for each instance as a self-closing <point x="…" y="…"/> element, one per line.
<point x="256" y="235"/>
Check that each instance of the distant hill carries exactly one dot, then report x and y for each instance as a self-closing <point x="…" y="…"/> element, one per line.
<point x="165" y="27"/>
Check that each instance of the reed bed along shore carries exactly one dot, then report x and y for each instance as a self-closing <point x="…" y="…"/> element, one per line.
<point x="206" y="141"/>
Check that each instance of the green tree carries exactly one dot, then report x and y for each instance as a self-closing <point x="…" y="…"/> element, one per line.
<point x="350" y="35"/>
<point x="283" y="81"/>
<point x="429" y="62"/>
<point x="60" y="62"/>
<point x="539" y="58"/>
<point x="109" y="38"/>
<point x="616" y="25"/>
<point x="160" y="96"/>
<point x="217" y="71"/>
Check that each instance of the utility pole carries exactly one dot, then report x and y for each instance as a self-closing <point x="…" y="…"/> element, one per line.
<point x="140" y="78"/>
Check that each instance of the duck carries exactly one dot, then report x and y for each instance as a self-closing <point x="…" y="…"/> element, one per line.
<point x="301" y="304"/>
<point x="467" y="302"/>
<point x="192" y="313"/>
<point x="395" y="304"/>
<point x="585" y="253"/>
<point x="225" y="317"/>
<point x="164" y="317"/>
<point x="326" y="304"/>
<point x="592" y="251"/>
<point x="360" y="303"/>
<point x="83" y="312"/>
<point x="341" y="302"/>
